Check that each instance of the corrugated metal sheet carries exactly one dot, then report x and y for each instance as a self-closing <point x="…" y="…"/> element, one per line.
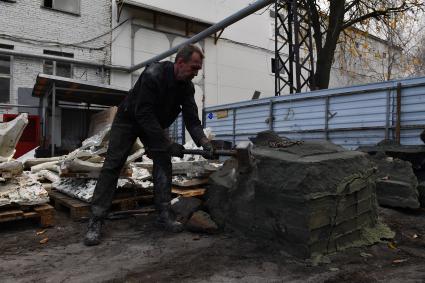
<point x="351" y="116"/>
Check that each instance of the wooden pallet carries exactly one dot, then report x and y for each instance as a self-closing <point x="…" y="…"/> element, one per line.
<point x="80" y="210"/>
<point x="44" y="213"/>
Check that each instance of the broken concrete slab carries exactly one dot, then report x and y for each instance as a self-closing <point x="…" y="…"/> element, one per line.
<point x="396" y="182"/>
<point x="83" y="188"/>
<point x="88" y="159"/>
<point x="51" y="165"/>
<point x="182" y="181"/>
<point x="183" y="207"/>
<point x="307" y="198"/>
<point x="201" y="222"/>
<point x="48" y="175"/>
<point x="36" y="161"/>
<point x="23" y="190"/>
<point x="10" y="133"/>
<point x="10" y="169"/>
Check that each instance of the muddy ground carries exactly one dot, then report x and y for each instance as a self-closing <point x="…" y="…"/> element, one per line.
<point x="135" y="251"/>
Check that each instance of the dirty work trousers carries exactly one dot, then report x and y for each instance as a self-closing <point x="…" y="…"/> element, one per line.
<point x="122" y="138"/>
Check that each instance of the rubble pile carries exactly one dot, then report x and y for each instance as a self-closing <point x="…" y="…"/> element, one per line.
<point x="396" y="185"/>
<point x="16" y="186"/>
<point x="308" y="198"/>
<point x="400" y="171"/>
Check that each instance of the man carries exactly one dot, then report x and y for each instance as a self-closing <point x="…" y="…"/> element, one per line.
<point x="162" y="91"/>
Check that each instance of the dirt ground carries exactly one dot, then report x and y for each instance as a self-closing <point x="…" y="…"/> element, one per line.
<point x="135" y="251"/>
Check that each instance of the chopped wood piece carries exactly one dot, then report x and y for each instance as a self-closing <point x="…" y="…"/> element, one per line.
<point x="188" y="192"/>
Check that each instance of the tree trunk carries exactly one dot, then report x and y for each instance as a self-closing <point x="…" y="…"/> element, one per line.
<point x="326" y="54"/>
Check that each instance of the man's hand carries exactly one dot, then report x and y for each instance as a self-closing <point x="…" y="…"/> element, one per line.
<point x="207" y="146"/>
<point x="176" y="149"/>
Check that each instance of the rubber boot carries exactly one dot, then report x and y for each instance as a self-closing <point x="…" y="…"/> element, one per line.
<point x="166" y="219"/>
<point x="93" y="234"/>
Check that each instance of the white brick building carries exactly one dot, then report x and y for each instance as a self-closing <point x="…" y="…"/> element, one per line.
<point x="68" y="28"/>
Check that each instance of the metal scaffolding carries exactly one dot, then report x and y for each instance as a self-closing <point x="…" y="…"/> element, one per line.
<point x="293" y="64"/>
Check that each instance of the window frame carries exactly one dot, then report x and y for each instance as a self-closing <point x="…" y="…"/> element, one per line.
<point x="8" y="76"/>
<point x="54" y="69"/>
<point x="54" y="62"/>
<point x="62" y="10"/>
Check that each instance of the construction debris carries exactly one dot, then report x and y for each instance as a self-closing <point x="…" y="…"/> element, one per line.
<point x="10" y="169"/>
<point x="399" y="168"/>
<point x="23" y="190"/>
<point x="10" y="133"/>
<point x="396" y="184"/>
<point x="308" y="198"/>
<point x="16" y="186"/>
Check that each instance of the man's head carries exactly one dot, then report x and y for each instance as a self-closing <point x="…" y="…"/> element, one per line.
<point x="188" y="62"/>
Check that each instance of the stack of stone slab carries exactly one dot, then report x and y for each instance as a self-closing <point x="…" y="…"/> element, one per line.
<point x="400" y="169"/>
<point x="308" y="198"/>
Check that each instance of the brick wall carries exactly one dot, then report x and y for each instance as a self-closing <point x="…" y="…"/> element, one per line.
<point x="27" y="20"/>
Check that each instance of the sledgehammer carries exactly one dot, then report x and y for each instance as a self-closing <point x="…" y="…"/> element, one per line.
<point x="242" y="153"/>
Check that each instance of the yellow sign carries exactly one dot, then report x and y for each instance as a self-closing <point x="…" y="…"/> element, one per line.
<point x="222" y="114"/>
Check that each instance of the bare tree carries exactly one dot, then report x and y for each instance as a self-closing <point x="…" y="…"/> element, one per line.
<point x="330" y="19"/>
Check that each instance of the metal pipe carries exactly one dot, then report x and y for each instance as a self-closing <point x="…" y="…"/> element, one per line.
<point x="271" y="116"/>
<point x="52" y="139"/>
<point x="212" y="29"/>
<point x="419" y="126"/>
<point x="234" y="127"/>
<point x="387" y="115"/>
<point x="62" y="59"/>
<point x="398" y="115"/>
<point x="17" y="105"/>
<point x="327" y="106"/>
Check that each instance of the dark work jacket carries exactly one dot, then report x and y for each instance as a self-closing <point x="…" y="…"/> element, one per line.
<point x="156" y="100"/>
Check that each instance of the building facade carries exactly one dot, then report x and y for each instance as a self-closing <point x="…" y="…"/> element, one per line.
<point x="77" y="29"/>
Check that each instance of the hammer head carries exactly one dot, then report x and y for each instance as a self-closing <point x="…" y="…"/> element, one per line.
<point x="243" y="156"/>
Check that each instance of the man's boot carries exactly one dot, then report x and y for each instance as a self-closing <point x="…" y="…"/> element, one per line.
<point x="166" y="220"/>
<point x="92" y="237"/>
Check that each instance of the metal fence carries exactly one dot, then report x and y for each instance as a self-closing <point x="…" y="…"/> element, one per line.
<point x="350" y="116"/>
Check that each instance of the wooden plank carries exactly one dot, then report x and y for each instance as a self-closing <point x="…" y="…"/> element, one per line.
<point x="45" y="213"/>
<point x="188" y="192"/>
<point x="79" y="209"/>
<point x="11" y="215"/>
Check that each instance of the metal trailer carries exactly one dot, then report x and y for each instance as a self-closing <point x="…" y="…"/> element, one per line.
<point x="349" y="116"/>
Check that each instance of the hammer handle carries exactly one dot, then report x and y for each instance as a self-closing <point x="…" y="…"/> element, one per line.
<point x="221" y="152"/>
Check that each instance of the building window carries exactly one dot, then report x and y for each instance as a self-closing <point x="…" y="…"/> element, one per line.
<point x="5" y="78"/>
<point x="58" y="68"/>
<point x="168" y="23"/>
<point x="71" y="6"/>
